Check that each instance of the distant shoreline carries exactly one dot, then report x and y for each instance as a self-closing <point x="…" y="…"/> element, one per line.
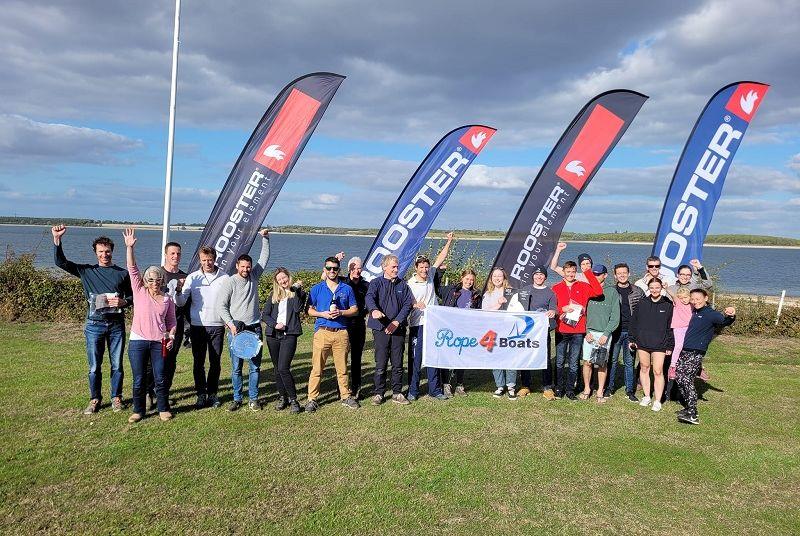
<point x="194" y="228"/>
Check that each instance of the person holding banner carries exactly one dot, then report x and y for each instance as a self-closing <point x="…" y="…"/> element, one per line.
<point x="464" y="296"/>
<point x="389" y="300"/>
<point x="654" y="271"/>
<point x="494" y="299"/>
<point x="572" y="297"/>
<point x="539" y="298"/>
<point x="652" y="337"/>
<point x="424" y="291"/>
<point x="152" y="332"/>
<point x="281" y="315"/>
<point x="237" y="305"/>
<point x="602" y="319"/>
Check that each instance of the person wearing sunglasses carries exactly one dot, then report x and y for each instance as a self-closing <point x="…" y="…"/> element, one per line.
<point x="332" y="303"/>
<point x="654" y="271"/>
<point x="152" y="332"/>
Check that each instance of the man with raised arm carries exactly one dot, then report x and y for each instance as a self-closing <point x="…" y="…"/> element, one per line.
<point x="584" y="262"/>
<point x="107" y="289"/>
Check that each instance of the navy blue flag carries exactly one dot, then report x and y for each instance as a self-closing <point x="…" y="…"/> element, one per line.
<point x="582" y="149"/>
<point x="264" y="165"/>
<point x="424" y="197"/>
<point x="697" y="184"/>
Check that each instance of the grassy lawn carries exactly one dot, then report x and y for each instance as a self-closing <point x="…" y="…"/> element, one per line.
<point x="472" y="465"/>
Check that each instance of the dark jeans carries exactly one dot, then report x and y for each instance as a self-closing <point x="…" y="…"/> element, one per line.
<point x="357" y="333"/>
<point x="170" y="363"/>
<point x="388" y="348"/>
<point x="139" y="352"/>
<point x="458" y="374"/>
<point x="568" y="349"/>
<point x="99" y="335"/>
<point x="526" y="376"/>
<point x="281" y="350"/>
<point x="619" y="345"/>
<point x="254" y="366"/>
<point x="415" y="343"/>
<point x="207" y="339"/>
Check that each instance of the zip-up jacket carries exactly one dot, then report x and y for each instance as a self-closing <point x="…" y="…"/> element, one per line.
<point x="580" y="293"/>
<point x="701" y="328"/>
<point x="650" y="325"/>
<point x="294" y="306"/>
<point x="393" y="298"/>
<point x="450" y="294"/>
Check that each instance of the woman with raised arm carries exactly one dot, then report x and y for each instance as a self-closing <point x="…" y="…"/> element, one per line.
<point x="465" y="296"/>
<point x="152" y="331"/>
<point x="494" y="300"/>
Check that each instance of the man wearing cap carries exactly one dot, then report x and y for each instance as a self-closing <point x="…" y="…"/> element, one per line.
<point x="602" y="318"/>
<point x="538" y="297"/>
<point x="584" y="263"/>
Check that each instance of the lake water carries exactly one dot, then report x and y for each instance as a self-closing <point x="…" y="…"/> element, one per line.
<point x="764" y="271"/>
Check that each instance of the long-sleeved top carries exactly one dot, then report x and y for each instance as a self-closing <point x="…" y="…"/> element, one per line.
<point x="602" y="312"/>
<point x="681" y="314"/>
<point x="700" y="279"/>
<point x="238" y="296"/>
<point x="152" y="315"/>
<point x="491" y="299"/>
<point x="580" y="293"/>
<point x="538" y="299"/>
<point x="629" y="297"/>
<point x="393" y="298"/>
<point x="203" y="289"/>
<point x="359" y="287"/>
<point x="650" y="325"/>
<point x="450" y="295"/>
<point x="425" y="292"/>
<point x="96" y="279"/>
<point x="291" y="321"/>
<point x="701" y="328"/>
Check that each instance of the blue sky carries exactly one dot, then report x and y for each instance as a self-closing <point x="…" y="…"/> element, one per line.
<point x="83" y="118"/>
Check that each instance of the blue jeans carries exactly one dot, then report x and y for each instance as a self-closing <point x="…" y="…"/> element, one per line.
<point x="568" y="347"/>
<point x="254" y="366"/>
<point x="504" y="377"/>
<point x="99" y="335"/>
<point x="415" y="343"/>
<point x="620" y="344"/>
<point x="140" y="353"/>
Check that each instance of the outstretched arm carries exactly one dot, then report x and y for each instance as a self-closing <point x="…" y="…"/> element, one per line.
<point x="130" y="241"/>
<point x="445" y="251"/>
<point x="561" y="246"/>
<point x="263" y="258"/>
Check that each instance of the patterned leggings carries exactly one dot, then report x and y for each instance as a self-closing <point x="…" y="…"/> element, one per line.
<point x="688" y="367"/>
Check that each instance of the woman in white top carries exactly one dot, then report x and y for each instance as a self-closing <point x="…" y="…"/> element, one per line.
<point x="495" y="300"/>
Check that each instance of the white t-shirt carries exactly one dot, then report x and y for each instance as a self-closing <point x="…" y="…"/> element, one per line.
<point x="281" y="319"/>
<point x="424" y="292"/>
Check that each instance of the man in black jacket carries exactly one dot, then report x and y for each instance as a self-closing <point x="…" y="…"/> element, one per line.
<point x="629" y="296"/>
<point x="389" y="301"/>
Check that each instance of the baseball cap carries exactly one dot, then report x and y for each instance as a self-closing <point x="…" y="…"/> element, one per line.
<point x="599" y="269"/>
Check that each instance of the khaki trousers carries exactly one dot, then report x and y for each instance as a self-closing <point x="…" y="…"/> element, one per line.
<point x="328" y="343"/>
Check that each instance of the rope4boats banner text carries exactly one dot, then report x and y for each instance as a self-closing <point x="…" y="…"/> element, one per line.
<point x="456" y="338"/>
<point x="697" y="184"/>
<point x="424" y="197"/>
<point x="263" y="167"/>
<point x="531" y="239"/>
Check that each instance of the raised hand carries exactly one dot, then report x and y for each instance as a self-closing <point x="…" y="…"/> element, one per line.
<point x="730" y="311"/>
<point x="264" y="232"/>
<point x="561" y="246"/>
<point x="695" y="264"/>
<point x="130" y="237"/>
<point x="340" y="256"/>
<point x="58" y="231"/>
<point x="450" y="236"/>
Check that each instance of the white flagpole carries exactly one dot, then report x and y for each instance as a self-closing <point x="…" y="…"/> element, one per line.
<point x="171" y="135"/>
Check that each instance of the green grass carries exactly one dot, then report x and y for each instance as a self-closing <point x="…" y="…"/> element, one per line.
<point x="473" y="465"/>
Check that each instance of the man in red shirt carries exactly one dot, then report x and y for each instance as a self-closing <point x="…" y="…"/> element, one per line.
<point x="572" y="296"/>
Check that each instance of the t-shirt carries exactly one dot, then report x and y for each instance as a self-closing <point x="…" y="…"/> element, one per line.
<point x="320" y="298"/>
<point x="464" y="299"/>
<point x="424" y="292"/>
<point x="625" y="307"/>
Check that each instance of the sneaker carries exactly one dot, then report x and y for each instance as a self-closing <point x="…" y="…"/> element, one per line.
<point x="412" y="398"/>
<point x="351" y="403"/>
<point x="200" y="403"/>
<point x="116" y="404"/>
<point x="558" y="395"/>
<point x="399" y="398"/>
<point x="460" y="390"/>
<point x="311" y="406"/>
<point x="441" y="396"/>
<point x="213" y="401"/>
<point x="235" y="405"/>
<point x="512" y="395"/>
<point x="255" y="405"/>
<point x="682" y="411"/>
<point x="93" y="407"/>
<point x="447" y="390"/>
<point x="522" y="393"/>
<point x="632" y="397"/>
<point x="377" y="400"/>
<point x="498" y="392"/>
<point x="165" y="415"/>
<point x="135" y="417"/>
<point x="656" y="406"/>
<point x="294" y="407"/>
<point x="571" y="396"/>
<point x="607" y="394"/>
<point x="549" y="394"/>
<point x="281" y="404"/>
<point x="689" y="418"/>
<point x="645" y="401"/>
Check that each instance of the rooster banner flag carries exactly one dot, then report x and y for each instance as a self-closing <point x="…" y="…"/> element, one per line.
<point x="697" y="183"/>
<point x="424" y="196"/>
<point x="575" y="159"/>
<point x="264" y="165"/>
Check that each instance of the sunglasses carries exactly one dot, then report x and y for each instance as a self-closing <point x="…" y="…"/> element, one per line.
<point x="332" y="268"/>
<point x="654" y="266"/>
<point x="151" y="280"/>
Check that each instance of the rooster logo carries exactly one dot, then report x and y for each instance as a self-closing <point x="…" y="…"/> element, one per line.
<point x="274" y="151"/>
<point x="477" y="139"/>
<point x="576" y="168"/>
<point x="748" y="101"/>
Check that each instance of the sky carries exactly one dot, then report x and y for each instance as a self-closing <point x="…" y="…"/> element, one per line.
<point x="85" y="104"/>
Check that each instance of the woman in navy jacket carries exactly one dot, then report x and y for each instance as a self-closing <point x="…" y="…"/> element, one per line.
<point x="466" y="296"/>
<point x="281" y="315"/>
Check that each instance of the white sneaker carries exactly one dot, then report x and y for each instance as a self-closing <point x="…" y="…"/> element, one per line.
<point x="656" y="406"/>
<point x="645" y="401"/>
<point x="498" y="392"/>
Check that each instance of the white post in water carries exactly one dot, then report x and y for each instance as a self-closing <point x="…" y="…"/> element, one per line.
<point x="780" y="306"/>
<point x="171" y="134"/>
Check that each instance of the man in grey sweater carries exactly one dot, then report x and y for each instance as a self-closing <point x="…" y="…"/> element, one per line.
<point x="237" y="305"/>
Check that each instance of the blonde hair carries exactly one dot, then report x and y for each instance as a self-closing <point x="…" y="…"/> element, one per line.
<point x="682" y="291"/>
<point x="389" y="258"/>
<point x="490" y="286"/>
<point x="278" y="292"/>
<point x="159" y="273"/>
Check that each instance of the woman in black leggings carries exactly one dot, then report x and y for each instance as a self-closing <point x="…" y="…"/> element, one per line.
<point x="281" y="315"/>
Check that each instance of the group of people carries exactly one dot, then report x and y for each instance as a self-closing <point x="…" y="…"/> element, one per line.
<point x="662" y="321"/>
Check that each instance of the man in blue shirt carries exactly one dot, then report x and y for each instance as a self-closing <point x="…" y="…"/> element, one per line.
<point x="331" y="303"/>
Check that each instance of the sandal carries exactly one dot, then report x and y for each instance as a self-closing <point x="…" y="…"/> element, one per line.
<point x="602" y="400"/>
<point x="584" y="396"/>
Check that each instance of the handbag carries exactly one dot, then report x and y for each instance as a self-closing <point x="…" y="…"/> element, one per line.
<point x="599" y="356"/>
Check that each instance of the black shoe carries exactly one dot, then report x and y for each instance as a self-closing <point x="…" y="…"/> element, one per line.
<point x="572" y="396"/>
<point x="235" y="405"/>
<point x="682" y="412"/>
<point x="201" y="402"/>
<point x="558" y="394"/>
<point x="294" y="407"/>
<point x="689" y="418"/>
<point x="213" y="401"/>
<point x="632" y="397"/>
<point x="351" y="403"/>
<point x="255" y="405"/>
<point x="312" y="406"/>
<point x="282" y="403"/>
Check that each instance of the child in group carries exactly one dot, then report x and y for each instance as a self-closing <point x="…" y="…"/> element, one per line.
<point x="681" y="315"/>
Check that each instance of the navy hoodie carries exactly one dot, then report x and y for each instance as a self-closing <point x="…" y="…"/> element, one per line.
<point x="701" y="328"/>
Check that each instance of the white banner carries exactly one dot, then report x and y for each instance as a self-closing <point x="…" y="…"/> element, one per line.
<point x="473" y="339"/>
